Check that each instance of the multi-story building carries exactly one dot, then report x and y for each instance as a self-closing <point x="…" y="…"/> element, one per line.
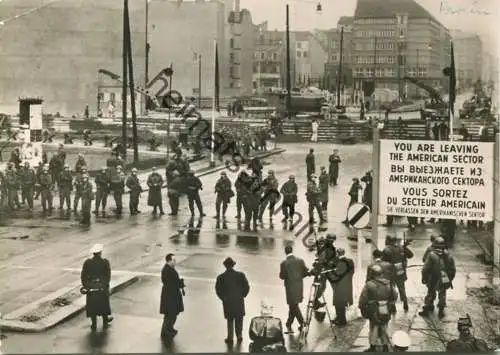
<point x="56" y="51"/>
<point x="397" y="38"/>
<point x="331" y="40"/>
<point x="307" y="58"/>
<point x="241" y="49"/>
<point x="269" y="61"/>
<point x="468" y="49"/>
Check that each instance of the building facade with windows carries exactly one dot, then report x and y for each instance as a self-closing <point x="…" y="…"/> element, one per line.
<point x="394" y="39"/>
<point x="268" y="59"/>
<point x="469" y="53"/>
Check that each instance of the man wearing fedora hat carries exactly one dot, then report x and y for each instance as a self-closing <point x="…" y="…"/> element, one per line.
<point x="232" y="287"/>
<point x="95" y="277"/>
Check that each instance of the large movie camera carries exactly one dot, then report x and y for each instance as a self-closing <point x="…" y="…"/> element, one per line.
<point x="326" y="256"/>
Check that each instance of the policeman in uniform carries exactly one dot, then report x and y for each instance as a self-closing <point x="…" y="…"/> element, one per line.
<point x="102" y="190"/>
<point x="193" y="187"/>
<point x="95" y="278"/>
<point x="289" y="192"/>
<point x="398" y="255"/>
<point x="333" y="170"/>
<point x="376" y="302"/>
<point x="155" y="183"/>
<point x="28" y="181"/>
<point x="224" y="194"/>
<point x="118" y="188"/>
<point x="271" y="194"/>
<point x="437" y="274"/>
<point x="46" y="185"/>
<point x="134" y="185"/>
<point x="12" y="182"/>
<point x="312" y="195"/>
<point x="310" y="163"/>
<point x="78" y="188"/>
<point x="87" y="195"/>
<point x="65" y="188"/>
<point x="466" y="342"/>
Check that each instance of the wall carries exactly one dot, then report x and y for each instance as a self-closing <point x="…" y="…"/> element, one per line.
<point x="55" y="52"/>
<point x="177" y="30"/>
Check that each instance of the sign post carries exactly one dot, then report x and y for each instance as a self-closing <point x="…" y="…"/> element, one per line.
<point x="375" y="185"/>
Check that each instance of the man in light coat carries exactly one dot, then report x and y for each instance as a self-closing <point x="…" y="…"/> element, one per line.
<point x="292" y="272"/>
<point x="232" y="287"/>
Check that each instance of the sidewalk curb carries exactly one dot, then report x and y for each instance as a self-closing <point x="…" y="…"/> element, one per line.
<point x="61" y="315"/>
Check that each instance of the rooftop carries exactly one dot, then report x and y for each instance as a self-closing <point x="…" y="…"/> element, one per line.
<point x="389" y="8"/>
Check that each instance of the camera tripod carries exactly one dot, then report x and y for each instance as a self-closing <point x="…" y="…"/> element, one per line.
<point x="311" y="303"/>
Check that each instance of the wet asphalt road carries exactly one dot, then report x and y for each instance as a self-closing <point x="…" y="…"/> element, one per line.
<point x="55" y="251"/>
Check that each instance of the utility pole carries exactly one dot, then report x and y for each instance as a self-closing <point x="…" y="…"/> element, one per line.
<point x="132" y="86"/>
<point x="169" y="118"/>
<point x="288" y="78"/>
<point x="339" y="74"/>
<point x="199" y="81"/>
<point x="124" y="78"/>
<point x="146" y="64"/>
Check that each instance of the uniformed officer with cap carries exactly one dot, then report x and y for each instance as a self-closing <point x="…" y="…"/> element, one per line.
<point x="135" y="188"/>
<point x="95" y="278"/>
<point x="400" y="341"/>
<point x="87" y="194"/>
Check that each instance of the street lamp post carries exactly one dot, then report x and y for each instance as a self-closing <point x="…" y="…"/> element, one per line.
<point x="288" y="79"/>
<point x="146" y="64"/>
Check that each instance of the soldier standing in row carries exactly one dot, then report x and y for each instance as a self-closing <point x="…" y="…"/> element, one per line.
<point x="437" y="274"/>
<point x="376" y="302"/>
<point x="80" y="163"/>
<point x="78" y="188"/>
<point x="95" y="278"/>
<point x="155" y="183"/>
<point x="333" y="170"/>
<point x="87" y="195"/>
<point x="28" y="181"/>
<point x="135" y="188"/>
<point x="313" y="196"/>
<point x="12" y="182"/>
<point x="39" y="170"/>
<point x="252" y="201"/>
<point x="102" y="190"/>
<point x="398" y="256"/>
<point x="387" y="268"/>
<point x="224" y="193"/>
<point x="323" y="187"/>
<point x="3" y="191"/>
<point x="65" y="188"/>
<point x="310" y="164"/>
<point x="240" y="191"/>
<point x="289" y="191"/>
<point x="271" y="194"/>
<point x="46" y="185"/>
<point x="193" y="187"/>
<point x="117" y="185"/>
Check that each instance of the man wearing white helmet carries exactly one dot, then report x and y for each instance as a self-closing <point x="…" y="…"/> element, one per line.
<point x="400" y="341"/>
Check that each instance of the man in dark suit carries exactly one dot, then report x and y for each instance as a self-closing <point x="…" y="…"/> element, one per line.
<point x="292" y="272"/>
<point x="171" y="303"/>
<point x="232" y="287"/>
<point x="342" y="294"/>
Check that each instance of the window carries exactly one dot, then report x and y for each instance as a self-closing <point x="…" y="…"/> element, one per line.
<point x="412" y="72"/>
<point x="379" y="72"/>
<point x="262" y="55"/>
<point x="298" y="54"/>
<point x="304" y="54"/>
<point x="299" y="45"/>
<point x="334" y="57"/>
<point x="391" y="59"/>
<point x="275" y="56"/>
<point x="231" y="43"/>
<point x="358" y="72"/>
<point x="112" y="97"/>
<point x="389" y="72"/>
<point x="422" y="72"/>
<point x="231" y="57"/>
<point x="370" y="72"/>
<point x="334" y="43"/>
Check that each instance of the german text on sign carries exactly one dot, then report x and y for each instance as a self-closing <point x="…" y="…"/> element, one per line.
<point x="437" y="179"/>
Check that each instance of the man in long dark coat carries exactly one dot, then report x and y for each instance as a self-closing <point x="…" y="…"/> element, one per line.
<point x="292" y="272"/>
<point x="342" y="295"/>
<point x="310" y="163"/>
<point x="95" y="277"/>
<point x="323" y="187"/>
<point x="171" y="303"/>
<point x="232" y="287"/>
<point x="333" y="169"/>
<point x="155" y="182"/>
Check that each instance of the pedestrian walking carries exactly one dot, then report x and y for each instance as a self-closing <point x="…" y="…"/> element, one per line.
<point x="310" y="163"/>
<point x="438" y="273"/>
<point x="193" y="187"/>
<point x="376" y="303"/>
<point x="293" y="270"/>
<point x="171" y="302"/>
<point x="333" y="170"/>
<point x="314" y="127"/>
<point x="65" y="188"/>
<point x="342" y="293"/>
<point x="135" y="188"/>
<point x="95" y="278"/>
<point x="224" y="193"/>
<point x="232" y="287"/>
<point x="155" y="183"/>
<point x="289" y="192"/>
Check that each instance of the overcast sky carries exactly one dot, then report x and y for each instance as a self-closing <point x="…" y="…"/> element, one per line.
<point x="481" y="16"/>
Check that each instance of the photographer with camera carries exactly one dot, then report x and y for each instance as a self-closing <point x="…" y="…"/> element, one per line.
<point x="171" y="302"/>
<point x="398" y="254"/>
<point x="326" y="258"/>
<point x="466" y="342"/>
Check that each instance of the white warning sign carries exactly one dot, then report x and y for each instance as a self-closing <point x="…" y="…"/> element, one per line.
<point x="436" y="179"/>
